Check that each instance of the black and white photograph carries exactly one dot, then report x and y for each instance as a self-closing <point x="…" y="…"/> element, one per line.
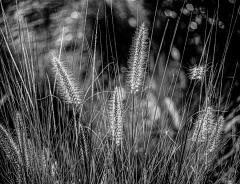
<point x="119" y="91"/>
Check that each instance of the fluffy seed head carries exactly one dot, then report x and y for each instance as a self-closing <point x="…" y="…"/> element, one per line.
<point x="197" y="72"/>
<point x="11" y="150"/>
<point x="22" y="139"/>
<point x="115" y="114"/>
<point x="138" y="59"/>
<point x="216" y="134"/>
<point x="84" y="151"/>
<point x="203" y="125"/>
<point x="9" y="146"/>
<point x="67" y="85"/>
<point x="213" y="141"/>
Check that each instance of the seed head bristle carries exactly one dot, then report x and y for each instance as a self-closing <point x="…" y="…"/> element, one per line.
<point x="213" y="141"/>
<point x="138" y="59"/>
<point x="84" y="151"/>
<point x="119" y="117"/>
<point x="111" y="113"/>
<point x="116" y="117"/>
<point x="203" y="125"/>
<point x="68" y="86"/>
<point x="11" y="150"/>
<point x="197" y="72"/>
<point x="216" y="134"/>
<point x="22" y="139"/>
<point x="9" y="146"/>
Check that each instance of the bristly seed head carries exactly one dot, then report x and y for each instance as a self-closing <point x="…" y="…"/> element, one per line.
<point x="116" y="117"/>
<point x="138" y="59"/>
<point x="197" y="72"/>
<point x="68" y="87"/>
<point x="216" y="134"/>
<point x="22" y="138"/>
<point x="208" y="129"/>
<point x="11" y="150"/>
<point x="204" y="125"/>
<point x="213" y="141"/>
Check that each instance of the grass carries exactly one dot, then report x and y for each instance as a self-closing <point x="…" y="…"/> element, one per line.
<point x="65" y="130"/>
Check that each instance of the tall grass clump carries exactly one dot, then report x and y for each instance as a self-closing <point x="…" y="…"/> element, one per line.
<point x="137" y="62"/>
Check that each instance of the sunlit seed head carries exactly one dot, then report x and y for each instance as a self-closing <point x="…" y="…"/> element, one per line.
<point x="203" y="125"/>
<point x="68" y="87"/>
<point x="138" y="60"/>
<point x="197" y="72"/>
<point x="115" y="113"/>
<point x="216" y="134"/>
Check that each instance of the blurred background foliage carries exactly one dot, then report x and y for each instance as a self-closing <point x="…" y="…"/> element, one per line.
<point x="195" y="31"/>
